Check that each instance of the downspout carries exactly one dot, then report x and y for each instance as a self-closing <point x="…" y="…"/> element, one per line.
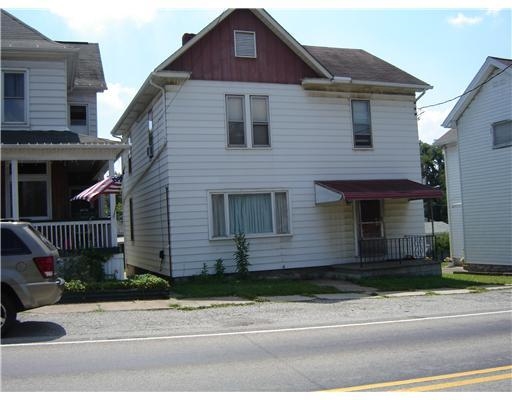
<point x="162" y="90"/>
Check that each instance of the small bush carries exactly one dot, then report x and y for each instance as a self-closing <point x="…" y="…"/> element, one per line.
<point x="241" y="255"/>
<point x="204" y="272"/>
<point x="219" y="268"/>
<point x="442" y="245"/>
<point x="141" y="282"/>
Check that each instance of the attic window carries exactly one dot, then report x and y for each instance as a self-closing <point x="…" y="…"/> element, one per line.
<point x="245" y="44"/>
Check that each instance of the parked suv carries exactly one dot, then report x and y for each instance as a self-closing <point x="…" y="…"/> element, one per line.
<point x="28" y="271"/>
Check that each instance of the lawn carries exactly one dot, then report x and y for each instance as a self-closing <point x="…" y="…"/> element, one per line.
<point x="453" y="281"/>
<point x="246" y="288"/>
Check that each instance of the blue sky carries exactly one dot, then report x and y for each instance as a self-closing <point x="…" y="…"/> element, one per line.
<point x="444" y="47"/>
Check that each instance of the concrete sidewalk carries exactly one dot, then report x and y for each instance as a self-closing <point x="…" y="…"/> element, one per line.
<point x="349" y="291"/>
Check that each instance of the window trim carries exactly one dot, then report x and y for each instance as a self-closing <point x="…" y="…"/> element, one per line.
<point x="86" y="106"/>
<point x="253" y="33"/>
<point x="150" y="124"/>
<point x="493" y="136"/>
<point x="248" y="122"/>
<point x="227" y="193"/>
<point x="355" y="146"/>
<point x="25" y="73"/>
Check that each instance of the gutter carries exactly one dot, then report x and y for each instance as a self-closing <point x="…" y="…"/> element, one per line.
<point x="349" y="81"/>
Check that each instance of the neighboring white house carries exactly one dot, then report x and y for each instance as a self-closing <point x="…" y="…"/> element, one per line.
<point x="304" y="149"/>
<point x="479" y="168"/>
<point x="49" y="146"/>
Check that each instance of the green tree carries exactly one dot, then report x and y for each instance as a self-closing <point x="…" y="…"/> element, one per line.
<point x="433" y="174"/>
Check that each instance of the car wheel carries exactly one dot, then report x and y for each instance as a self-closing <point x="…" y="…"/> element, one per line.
<point x="8" y="313"/>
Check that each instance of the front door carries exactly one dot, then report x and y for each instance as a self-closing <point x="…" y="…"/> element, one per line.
<point x="370" y="219"/>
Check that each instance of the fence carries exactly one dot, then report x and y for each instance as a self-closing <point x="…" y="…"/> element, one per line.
<point x="397" y="249"/>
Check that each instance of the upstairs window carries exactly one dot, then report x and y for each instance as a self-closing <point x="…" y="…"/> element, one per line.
<point x="259" y="116"/>
<point x="361" y="124"/>
<point x="78" y="115"/>
<point x="235" y="111"/>
<point x="14" y="98"/>
<point x="245" y="44"/>
<point x="248" y="121"/>
<point x="502" y="134"/>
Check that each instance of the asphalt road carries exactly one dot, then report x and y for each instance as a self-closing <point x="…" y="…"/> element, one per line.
<point x="427" y="341"/>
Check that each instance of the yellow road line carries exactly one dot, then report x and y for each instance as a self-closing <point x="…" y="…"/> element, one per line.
<point x="419" y="380"/>
<point x="439" y="386"/>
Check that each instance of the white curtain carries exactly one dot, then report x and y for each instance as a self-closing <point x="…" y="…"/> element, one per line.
<point x="250" y="213"/>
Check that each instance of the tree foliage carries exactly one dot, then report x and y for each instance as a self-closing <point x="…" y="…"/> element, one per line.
<point x="433" y="174"/>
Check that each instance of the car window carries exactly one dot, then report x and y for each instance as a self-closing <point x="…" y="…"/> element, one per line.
<point x="43" y="238"/>
<point x="12" y="244"/>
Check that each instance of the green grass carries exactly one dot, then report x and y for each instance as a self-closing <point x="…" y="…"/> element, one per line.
<point x="453" y="281"/>
<point x="247" y="288"/>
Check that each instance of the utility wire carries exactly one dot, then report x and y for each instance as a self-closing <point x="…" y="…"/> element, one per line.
<point x="469" y="91"/>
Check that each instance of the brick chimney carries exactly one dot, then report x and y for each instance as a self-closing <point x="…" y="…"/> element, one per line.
<point x="186" y="37"/>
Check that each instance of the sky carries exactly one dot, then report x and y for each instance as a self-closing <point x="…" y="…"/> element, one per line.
<point x="442" y="46"/>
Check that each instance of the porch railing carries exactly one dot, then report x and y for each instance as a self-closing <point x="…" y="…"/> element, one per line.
<point x="70" y="236"/>
<point x="397" y="249"/>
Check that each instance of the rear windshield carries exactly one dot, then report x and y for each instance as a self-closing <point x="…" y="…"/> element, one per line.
<point x="48" y="244"/>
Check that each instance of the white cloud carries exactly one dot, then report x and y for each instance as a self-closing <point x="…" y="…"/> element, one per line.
<point x="462" y="20"/>
<point x="429" y="124"/>
<point x="111" y="105"/>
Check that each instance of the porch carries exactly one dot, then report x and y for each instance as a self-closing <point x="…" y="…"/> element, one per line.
<point x="72" y="236"/>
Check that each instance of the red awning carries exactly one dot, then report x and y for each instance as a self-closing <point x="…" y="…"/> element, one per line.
<point x="106" y="186"/>
<point x="378" y="190"/>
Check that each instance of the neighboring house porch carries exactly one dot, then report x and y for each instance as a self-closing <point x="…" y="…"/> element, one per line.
<point x="42" y="171"/>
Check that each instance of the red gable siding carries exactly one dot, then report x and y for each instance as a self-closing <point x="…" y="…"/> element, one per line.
<point x="213" y="56"/>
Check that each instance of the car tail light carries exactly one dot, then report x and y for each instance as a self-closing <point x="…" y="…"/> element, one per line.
<point x="45" y="265"/>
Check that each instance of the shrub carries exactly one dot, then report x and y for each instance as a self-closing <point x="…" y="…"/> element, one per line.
<point x="241" y="255"/>
<point x="86" y="267"/>
<point x="142" y="282"/>
<point x="204" y="272"/>
<point x="442" y="245"/>
<point x="219" y="268"/>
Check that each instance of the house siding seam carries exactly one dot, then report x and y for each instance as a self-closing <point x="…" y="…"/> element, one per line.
<point x="311" y="140"/>
<point x="485" y="176"/>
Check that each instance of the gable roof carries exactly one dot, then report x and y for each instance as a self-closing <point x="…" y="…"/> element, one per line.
<point x="270" y="22"/>
<point x="85" y="69"/>
<point x="334" y="66"/>
<point x="359" y="65"/>
<point x="89" y="70"/>
<point x="16" y="35"/>
<point x="490" y="65"/>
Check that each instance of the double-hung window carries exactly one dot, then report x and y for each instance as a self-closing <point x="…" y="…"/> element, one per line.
<point x="361" y="124"/>
<point x="14" y="97"/>
<point x="257" y="213"/>
<point x="243" y="108"/>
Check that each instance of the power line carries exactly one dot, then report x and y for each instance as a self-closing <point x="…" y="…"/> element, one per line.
<point x="469" y="91"/>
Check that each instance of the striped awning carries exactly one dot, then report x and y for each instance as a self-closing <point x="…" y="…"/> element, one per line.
<point x="110" y="185"/>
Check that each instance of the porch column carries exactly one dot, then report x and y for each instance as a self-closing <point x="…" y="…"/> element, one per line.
<point x="113" y="219"/>
<point x="15" y="207"/>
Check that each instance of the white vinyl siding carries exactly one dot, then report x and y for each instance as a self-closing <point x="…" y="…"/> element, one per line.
<point x="312" y="140"/>
<point x="146" y="186"/>
<point x="85" y="98"/>
<point x="245" y="44"/>
<point x="486" y="182"/>
<point x="46" y="86"/>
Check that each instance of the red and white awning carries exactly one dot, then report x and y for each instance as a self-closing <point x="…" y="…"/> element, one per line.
<point x="110" y="185"/>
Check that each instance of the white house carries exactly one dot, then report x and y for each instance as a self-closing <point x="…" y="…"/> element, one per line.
<point x="478" y="151"/>
<point x="49" y="146"/>
<point x="304" y="149"/>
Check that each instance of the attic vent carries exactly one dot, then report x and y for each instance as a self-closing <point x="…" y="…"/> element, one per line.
<point x="245" y="44"/>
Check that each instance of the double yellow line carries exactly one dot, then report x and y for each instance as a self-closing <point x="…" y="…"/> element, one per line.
<point x="490" y="376"/>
